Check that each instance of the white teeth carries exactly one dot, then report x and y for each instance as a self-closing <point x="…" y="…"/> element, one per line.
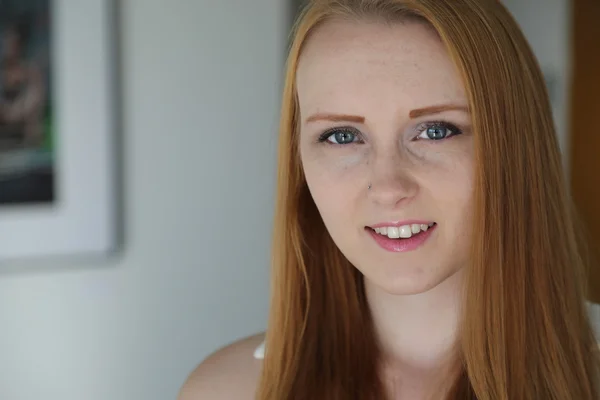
<point x="393" y="232"/>
<point x="404" y="231"/>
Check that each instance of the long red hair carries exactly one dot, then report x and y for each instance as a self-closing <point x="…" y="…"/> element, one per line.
<point x="525" y="332"/>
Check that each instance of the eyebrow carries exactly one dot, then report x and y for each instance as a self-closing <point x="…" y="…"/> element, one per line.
<point x="416" y="113"/>
<point x="419" y="112"/>
<point x="336" y="118"/>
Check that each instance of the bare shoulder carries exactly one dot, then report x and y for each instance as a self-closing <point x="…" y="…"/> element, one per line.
<point x="232" y="372"/>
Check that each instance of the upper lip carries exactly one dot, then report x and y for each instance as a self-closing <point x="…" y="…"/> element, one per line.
<point x="401" y="223"/>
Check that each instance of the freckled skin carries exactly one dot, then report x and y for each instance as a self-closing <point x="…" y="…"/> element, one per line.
<point x="382" y="72"/>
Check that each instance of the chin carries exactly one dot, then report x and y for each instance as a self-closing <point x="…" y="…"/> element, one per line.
<point x="408" y="283"/>
<point x="405" y="287"/>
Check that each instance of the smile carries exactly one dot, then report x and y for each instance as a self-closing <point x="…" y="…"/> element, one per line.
<point x="404" y="231"/>
<point x="402" y="238"/>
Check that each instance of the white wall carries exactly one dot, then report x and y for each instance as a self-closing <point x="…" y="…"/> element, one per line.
<point x="201" y="85"/>
<point x="546" y="24"/>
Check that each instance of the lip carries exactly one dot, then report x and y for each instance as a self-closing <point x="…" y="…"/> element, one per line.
<point x="402" y="245"/>
<point x="400" y="223"/>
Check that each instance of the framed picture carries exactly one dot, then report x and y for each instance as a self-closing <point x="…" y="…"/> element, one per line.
<point x="58" y="158"/>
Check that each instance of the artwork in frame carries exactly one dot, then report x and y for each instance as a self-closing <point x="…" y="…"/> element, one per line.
<point x="58" y="148"/>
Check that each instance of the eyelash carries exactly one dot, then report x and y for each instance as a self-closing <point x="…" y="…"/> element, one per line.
<point x="323" y="138"/>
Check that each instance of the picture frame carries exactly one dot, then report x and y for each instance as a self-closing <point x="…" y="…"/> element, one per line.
<point x="59" y="196"/>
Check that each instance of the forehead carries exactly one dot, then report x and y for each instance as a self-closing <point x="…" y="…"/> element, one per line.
<point x="349" y="65"/>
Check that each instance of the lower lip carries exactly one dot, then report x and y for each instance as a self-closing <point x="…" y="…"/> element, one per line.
<point x="402" y="245"/>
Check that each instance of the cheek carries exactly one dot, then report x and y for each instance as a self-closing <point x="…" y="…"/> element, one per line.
<point x="333" y="200"/>
<point x="331" y="159"/>
<point x="442" y="156"/>
<point x="455" y="197"/>
<point x="333" y="178"/>
<point x="450" y="180"/>
<point x="451" y="162"/>
<point x="325" y="164"/>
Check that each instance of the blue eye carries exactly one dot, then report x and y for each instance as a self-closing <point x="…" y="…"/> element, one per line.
<point x="437" y="131"/>
<point x="339" y="136"/>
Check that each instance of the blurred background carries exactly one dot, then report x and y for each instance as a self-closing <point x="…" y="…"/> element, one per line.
<point x="199" y="102"/>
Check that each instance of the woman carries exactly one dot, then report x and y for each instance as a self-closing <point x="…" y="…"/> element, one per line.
<point x="424" y="244"/>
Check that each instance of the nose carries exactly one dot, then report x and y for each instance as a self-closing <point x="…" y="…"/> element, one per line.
<point x="393" y="181"/>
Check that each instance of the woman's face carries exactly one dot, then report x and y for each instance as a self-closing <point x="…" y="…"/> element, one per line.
<point x="382" y="106"/>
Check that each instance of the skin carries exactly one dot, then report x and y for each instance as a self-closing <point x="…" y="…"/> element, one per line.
<point x="382" y="73"/>
<point x="229" y="373"/>
<point x="374" y="75"/>
<point x="378" y="73"/>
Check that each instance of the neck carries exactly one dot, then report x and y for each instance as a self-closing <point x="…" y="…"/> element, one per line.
<point x="417" y="334"/>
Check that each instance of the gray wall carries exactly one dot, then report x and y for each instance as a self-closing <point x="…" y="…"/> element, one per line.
<point x="546" y="24"/>
<point x="201" y="85"/>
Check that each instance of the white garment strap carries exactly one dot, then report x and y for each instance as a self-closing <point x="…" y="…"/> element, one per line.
<point x="259" y="353"/>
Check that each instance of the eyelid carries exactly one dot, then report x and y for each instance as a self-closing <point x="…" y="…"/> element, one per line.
<point x="418" y="129"/>
<point x="328" y="132"/>
<point x="429" y="124"/>
<point x="457" y="130"/>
